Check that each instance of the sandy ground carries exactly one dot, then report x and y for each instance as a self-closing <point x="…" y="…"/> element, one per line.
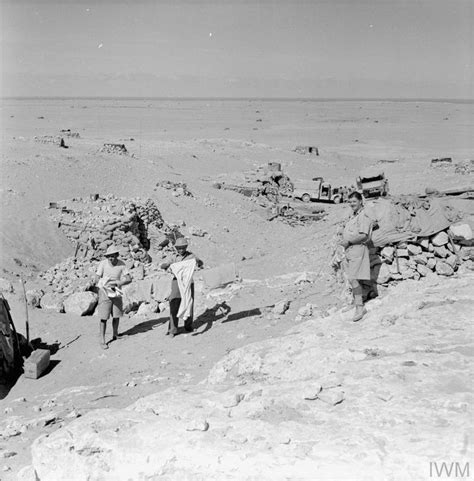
<point x="194" y="142"/>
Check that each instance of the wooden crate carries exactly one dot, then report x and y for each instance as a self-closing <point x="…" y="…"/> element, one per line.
<point x="37" y="363"/>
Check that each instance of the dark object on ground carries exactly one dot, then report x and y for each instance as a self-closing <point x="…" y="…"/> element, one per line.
<point x="443" y="160"/>
<point x="10" y="352"/>
<point x="63" y="144"/>
<point x="306" y="149"/>
<point x="114" y="149"/>
<point x="37" y="363"/>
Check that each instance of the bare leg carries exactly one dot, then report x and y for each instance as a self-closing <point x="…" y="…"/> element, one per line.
<point x="115" y="326"/>
<point x="102" y="329"/>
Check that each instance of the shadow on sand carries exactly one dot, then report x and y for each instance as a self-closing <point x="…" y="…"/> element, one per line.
<point x="145" y="326"/>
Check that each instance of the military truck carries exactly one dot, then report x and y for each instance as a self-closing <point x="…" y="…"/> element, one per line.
<point x="372" y="183"/>
<point x="317" y="190"/>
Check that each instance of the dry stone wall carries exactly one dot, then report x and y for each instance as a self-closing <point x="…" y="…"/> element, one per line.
<point x="93" y="224"/>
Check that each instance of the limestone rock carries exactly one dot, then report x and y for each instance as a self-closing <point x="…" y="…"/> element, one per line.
<point x="461" y="233"/>
<point x="431" y="263"/>
<point x="441" y="251"/>
<point x="281" y="307"/>
<point x="81" y="303"/>
<point x="425" y="244"/>
<point x="196" y="231"/>
<point x="52" y="301"/>
<point x="421" y="258"/>
<point x="423" y="270"/>
<point x="306" y="277"/>
<point x="5" y="286"/>
<point x="444" y="269"/>
<point x="440" y="239"/>
<point x="136" y="293"/>
<point x="452" y="260"/>
<point x="306" y="311"/>
<point x="33" y="297"/>
<point x="387" y="253"/>
<point x="161" y="288"/>
<point x="383" y="275"/>
<point x="402" y="252"/>
<point x="413" y="249"/>
<point x="148" y="309"/>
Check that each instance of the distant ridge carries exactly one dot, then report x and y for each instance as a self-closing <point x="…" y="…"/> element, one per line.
<point x="260" y="99"/>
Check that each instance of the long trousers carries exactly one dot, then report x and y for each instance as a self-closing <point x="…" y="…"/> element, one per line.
<point x="174" y="319"/>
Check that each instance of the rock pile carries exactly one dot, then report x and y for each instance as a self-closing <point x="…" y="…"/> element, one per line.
<point x="68" y="133"/>
<point x="93" y="224"/>
<point x="114" y="149"/>
<point x="440" y="254"/>
<point x="178" y="188"/>
<point x="49" y="139"/>
<point x="465" y="167"/>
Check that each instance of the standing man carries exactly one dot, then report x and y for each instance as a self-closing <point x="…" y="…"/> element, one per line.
<point x="355" y="236"/>
<point x="182" y="254"/>
<point x="111" y="275"/>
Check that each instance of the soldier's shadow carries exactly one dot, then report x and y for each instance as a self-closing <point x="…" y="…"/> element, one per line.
<point x="211" y="315"/>
<point x="145" y="326"/>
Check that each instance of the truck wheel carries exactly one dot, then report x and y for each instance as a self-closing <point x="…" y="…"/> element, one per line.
<point x="305" y="197"/>
<point x="337" y="199"/>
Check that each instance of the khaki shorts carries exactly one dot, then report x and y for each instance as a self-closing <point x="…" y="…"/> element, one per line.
<point x="109" y="306"/>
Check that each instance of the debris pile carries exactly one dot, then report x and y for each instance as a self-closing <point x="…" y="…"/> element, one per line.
<point x="114" y="149"/>
<point x="438" y="254"/>
<point x="178" y="188"/>
<point x="414" y="238"/>
<point x="49" y="139"/>
<point x="69" y="133"/>
<point x="306" y="149"/>
<point x="93" y="224"/>
<point x="268" y="180"/>
<point x="464" y="167"/>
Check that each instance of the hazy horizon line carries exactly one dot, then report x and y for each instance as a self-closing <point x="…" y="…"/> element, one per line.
<point x="263" y="99"/>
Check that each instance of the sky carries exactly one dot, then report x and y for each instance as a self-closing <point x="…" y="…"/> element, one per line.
<point x="237" y="48"/>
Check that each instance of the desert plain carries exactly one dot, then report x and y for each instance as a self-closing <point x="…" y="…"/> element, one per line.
<point x="239" y="397"/>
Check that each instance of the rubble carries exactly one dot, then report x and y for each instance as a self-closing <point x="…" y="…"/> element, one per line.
<point x="6" y="286"/>
<point x="306" y="149"/>
<point x="178" y="188"/>
<point x="69" y="133"/>
<point x="464" y="167"/>
<point x="33" y="297"/>
<point x="421" y="256"/>
<point x="110" y="148"/>
<point x="281" y="307"/>
<point x="81" y="303"/>
<point x="49" y="139"/>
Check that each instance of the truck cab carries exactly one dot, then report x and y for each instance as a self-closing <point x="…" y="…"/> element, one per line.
<point x="316" y="190"/>
<point x="372" y="183"/>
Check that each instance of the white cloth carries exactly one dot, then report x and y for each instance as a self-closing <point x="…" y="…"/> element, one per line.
<point x="183" y="271"/>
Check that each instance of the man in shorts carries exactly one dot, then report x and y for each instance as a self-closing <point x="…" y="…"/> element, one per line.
<point x="112" y="274"/>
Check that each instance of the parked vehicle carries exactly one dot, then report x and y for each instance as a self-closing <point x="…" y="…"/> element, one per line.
<point x="372" y="183"/>
<point x="317" y="190"/>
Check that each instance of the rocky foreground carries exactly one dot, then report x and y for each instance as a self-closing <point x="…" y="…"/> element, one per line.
<point x="376" y="400"/>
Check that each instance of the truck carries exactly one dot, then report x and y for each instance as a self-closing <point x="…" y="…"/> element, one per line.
<point x="372" y="183"/>
<point x="317" y="189"/>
